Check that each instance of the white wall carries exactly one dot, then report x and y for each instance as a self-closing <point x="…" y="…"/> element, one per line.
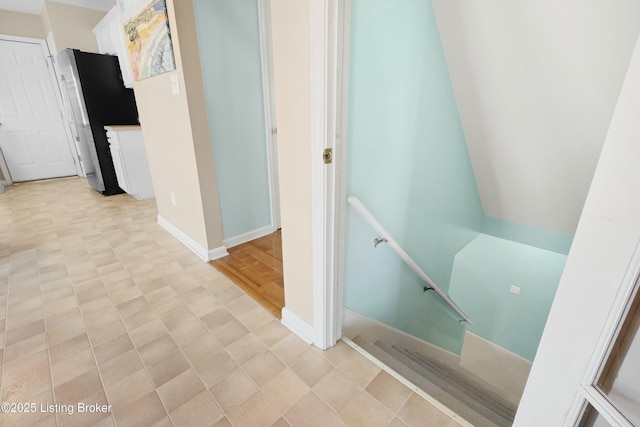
<point x="607" y="235"/>
<point x="536" y="83"/>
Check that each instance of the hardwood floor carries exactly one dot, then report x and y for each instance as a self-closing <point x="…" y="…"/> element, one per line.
<point x="256" y="267"/>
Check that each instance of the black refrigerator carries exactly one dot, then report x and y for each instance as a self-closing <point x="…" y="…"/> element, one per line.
<point x="95" y="96"/>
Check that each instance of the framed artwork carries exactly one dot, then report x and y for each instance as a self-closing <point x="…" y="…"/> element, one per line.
<point x="146" y="28"/>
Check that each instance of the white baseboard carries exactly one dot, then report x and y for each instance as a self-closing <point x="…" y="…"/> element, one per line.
<point x="249" y="236"/>
<point x="297" y="325"/>
<point x="354" y="323"/>
<point x="202" y="253"/>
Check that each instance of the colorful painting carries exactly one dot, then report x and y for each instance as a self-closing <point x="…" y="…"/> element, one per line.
<point x="146" y="29"/>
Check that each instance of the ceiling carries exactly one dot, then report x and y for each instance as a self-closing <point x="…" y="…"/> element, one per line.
<point x="35" y="6"/>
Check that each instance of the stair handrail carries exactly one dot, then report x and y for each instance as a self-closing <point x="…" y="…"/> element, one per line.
<point x="386" y="237"/>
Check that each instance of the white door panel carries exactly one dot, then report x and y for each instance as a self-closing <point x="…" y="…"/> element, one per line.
<point x="32" y="135"/>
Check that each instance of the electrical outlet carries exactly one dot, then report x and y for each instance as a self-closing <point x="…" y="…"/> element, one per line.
<point x="515" y="290"/>
<point x="173" y="197"/>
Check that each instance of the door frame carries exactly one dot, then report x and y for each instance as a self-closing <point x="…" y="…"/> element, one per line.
<point x="269" y="102"/>
<point x="588" y="392"/>
<point x="329" y="86"/>
<point x="53" y="77"/>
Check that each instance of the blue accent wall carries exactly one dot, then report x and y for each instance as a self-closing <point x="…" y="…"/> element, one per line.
<point x="229" y="46"/>
<point x="408" y="163"/>
<point x="483" y="274"/>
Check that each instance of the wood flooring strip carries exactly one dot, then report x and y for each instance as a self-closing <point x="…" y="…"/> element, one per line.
<point x="256" y="267"/>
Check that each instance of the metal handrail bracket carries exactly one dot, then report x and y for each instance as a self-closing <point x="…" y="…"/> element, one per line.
<point x="385" y="237"/>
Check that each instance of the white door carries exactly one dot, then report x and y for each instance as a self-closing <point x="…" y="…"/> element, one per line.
<point x="32" y="134"/>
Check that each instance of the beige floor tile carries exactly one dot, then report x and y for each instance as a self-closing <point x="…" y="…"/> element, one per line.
<point x="102" y="333"/>
<point x="311" y="411"/>
<point x="230" y="332"/>
<point x="263" y="367"/>
<point x="120" y="367"/>
<point x="157" y="349"/>
<point x="217" y="318"/>
<point x="359" y="369"/>
<point x="180" y="389"/>
<point x="365" y="411"/>
<point x="234" y="389"/>
<point x="388" y="390"/>
<point x="145" y="411"/>
<point x="255" y="411"/>
<point x="25" y="347"/>
<point x="245" y="348"/>
<point x="28" y="419"/>
<point x="223" y="422"/>
<point x="72" y="367"/>
<point x="215" y="368"/>
<point x="337" y="353"/>
<point x="112" y="348"/>
<point x="78" y="388"/>
<point x="336" y="390"/>
<point x="204" y="306"/>
<point x="204" y="347"/>
<point x="140" y="318"/>
<point x="311" y="367"/>
<point x="202" y="410"/>
<point x="168" y="368"/>
<point x="24" y="378"/>
<point x="147" y="333"/>
<point x="189" y="332"/>
<point x="272" y="332"/>
<point x="229" y="293"/>
<point x="256" y="318"/>
<point x="87" y="411"/>
<point x="419" y="412"/>
<point x="397" y="422"/>
<point x="281" y="422"/>
<point x="290" y="348"/>
<point x="128" y="389"/>
<point x="285" y="390"/>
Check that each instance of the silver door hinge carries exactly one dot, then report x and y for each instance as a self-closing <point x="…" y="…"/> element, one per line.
<point x="327" y="156"/>
<point x="274" y="131"/>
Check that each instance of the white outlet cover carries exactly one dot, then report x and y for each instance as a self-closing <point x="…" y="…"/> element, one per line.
<point x="514" y="290"/>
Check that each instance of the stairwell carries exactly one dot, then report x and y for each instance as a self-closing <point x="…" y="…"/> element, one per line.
<point x="461" y="391"/>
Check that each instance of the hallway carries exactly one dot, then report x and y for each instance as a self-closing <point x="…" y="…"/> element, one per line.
<point x="100" y="305"/>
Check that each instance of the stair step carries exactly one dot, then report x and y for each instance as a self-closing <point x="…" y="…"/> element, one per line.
<point x="439" y="381"/>
<point x="466" y="383"/>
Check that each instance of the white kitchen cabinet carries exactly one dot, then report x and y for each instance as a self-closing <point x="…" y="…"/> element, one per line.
<point x="111" y="40"/>
<point x="130" y="160"/>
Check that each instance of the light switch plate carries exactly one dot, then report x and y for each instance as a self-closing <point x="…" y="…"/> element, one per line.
<point x="175" y="84"/>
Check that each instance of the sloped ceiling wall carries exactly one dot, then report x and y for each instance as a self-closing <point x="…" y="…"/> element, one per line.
<point x="536" y="83"/>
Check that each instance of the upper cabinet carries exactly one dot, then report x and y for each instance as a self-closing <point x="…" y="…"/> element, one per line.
<point x="110" y="37"/>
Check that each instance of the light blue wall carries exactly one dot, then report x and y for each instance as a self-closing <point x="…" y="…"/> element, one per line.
<point x="229" y="45"/>
<point x="528" y="234"/>
<point x="483" y="273"/>
<point x="409" y="165"/>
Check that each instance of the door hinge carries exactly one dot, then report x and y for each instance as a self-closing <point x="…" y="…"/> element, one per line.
<point x="274" y="131"/>
<point x="327" y="156"/>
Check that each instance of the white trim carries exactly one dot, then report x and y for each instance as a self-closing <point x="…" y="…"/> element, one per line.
<point x="298" y="326"/>
<point x="395" y="336"/>
<point x="627" y="291"/>
<point x="268" y="97"/>
<point x="323" y="14"/>
<point x="417" y="390"/>
<point x="248" y="236"/>
<point x="202" y="253"/>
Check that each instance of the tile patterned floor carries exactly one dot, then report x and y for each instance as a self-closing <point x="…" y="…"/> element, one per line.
<point x="100" y="306"/>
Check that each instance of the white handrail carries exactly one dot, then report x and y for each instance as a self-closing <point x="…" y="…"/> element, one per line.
<point x="364" y="213"/>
